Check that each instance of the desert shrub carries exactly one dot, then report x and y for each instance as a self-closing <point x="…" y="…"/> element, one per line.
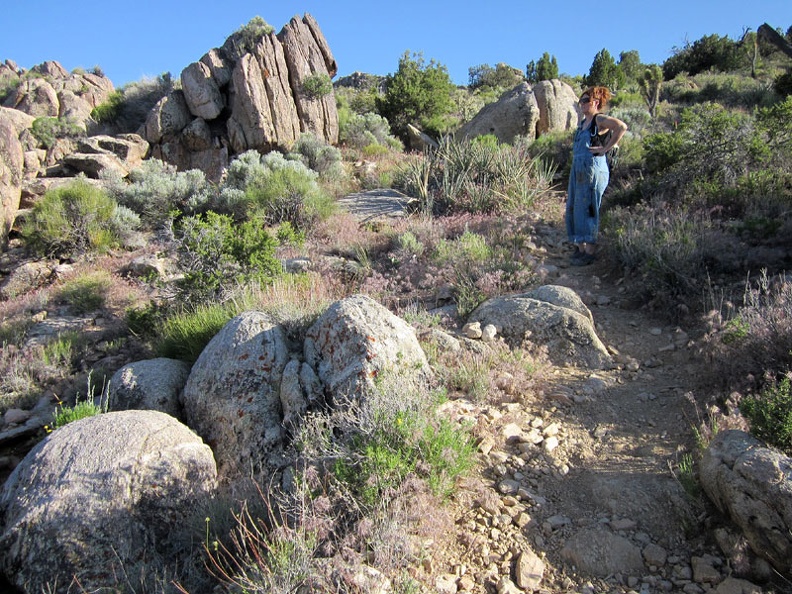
<point x="75" y="219"/>
<point x="710" y="52"/>
<point x="215" y="255"/>
<point x="18" y="386"/>
<point x="85" y="293"/>
<point x="662" y="246"/>
<point x="769" y="415"/>
<point x="317" y="86"/>
<point x="280" y="190"/>
<point x="184" y="335"/>
<point x="249" y="35"/>
<point x="156" y="189"/>
<point x="710" y="150"/>
<point x="362" y="130"/>
<point x="48" y="130"/>
<point x="319" y="156"/>
<point x="386" y="438"/>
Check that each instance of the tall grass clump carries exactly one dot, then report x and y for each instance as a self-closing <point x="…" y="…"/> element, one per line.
<point x="184" y="335"/>
<point x="76" y="219"/>
<point x="85" y="293"/>
<point x="475" y="176"/>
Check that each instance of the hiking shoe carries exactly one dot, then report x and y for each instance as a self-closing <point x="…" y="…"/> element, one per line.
<point x="583" y="259"/>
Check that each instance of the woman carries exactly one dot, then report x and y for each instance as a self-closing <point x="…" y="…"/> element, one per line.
<point x="589" y="176"/>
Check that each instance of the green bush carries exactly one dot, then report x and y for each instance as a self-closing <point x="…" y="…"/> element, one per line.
<point x="418" y="94"/>
<point x="48" y="130"/>
<point x="73" y="220"/>
<point x="184" y="335"/>
<point x="319" y="156"/>
<point x="770" y="415"/>
<point x="216" y="255"/>
<point x="710" y="52"/>
<point x="317" y="86"/>
<point x="279" y="190"/>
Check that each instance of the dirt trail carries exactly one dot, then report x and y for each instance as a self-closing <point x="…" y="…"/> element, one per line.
<point x="621" y="434"/>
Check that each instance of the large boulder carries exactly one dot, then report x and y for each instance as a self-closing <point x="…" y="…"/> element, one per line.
<point x="232" y="397"/>
<point x="750" y="483"/>
<point x="548" y="317"/>
<point x="355" y="341"/>
<point x="515" y="113"/>
<point x="251" y="95"/>
<point x="167" y="118"/>
<point x="131" y="149"/>
<point x="153" y="384"/>
<point x="12" y="164"/>
<point x="558" y="106"/>
<point x="101" y="498"/>
<point x="201" y="92"/>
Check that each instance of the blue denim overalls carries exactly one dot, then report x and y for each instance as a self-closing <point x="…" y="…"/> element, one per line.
<point x="587" y="182"/>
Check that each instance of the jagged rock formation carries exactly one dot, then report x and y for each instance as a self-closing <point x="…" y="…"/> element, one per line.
<point x="237" y="98"/>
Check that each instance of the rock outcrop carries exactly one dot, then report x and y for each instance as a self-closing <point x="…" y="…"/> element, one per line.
<point x="247" y="98"/>
<point x="49" y="90"/>
<point x="526" y="111"/>
<point x="550" y="317"/>
<point x="101" y="497"/>
<point x="750" y="483"/>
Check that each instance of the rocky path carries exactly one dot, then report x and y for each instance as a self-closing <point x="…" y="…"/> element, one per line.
<point x="579" y="487"/>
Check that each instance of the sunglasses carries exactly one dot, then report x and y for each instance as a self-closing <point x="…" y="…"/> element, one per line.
<point x="584" y="100"/>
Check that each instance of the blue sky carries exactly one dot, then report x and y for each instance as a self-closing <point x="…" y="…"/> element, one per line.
<point x="146" y="37"/>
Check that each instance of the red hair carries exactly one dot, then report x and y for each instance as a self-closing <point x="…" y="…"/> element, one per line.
<point x="601" y="94"/>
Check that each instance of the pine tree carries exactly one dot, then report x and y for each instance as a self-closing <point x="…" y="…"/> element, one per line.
<point x="605" y="72"/>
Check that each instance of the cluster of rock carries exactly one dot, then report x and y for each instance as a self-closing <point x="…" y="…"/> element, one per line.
<point x="528" y="111"/>
<point x="250" y="387"/>
<point x="72" y="508"/>
<point x="237" y="98"/>
<point x="247" y="94"/>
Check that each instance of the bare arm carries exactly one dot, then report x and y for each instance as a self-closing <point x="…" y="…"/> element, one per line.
<point x="605" y="123"/>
